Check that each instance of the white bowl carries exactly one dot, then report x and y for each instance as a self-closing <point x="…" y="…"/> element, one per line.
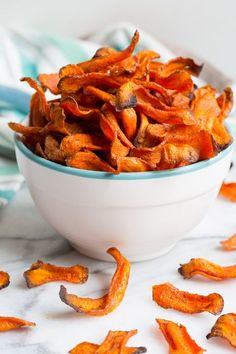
<point x="143" y="214"/>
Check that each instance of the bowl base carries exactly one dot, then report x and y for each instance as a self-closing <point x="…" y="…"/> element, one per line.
<point x="132" y="258"/>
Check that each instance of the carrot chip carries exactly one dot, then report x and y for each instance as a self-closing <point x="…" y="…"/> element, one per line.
<point x="225" y="327"/>
<point x="88" y="160"/>
<point x="42" y="273"/>
<point x="85" y="348"/>
<point x="50" y="81"/>
<point x="125" y="97"/>
<point x="4" y="280"/>
<point x="107" y="303"/>
<point x="10" y="323"/>
<point x="169" y="297"/>
<point x="114" y="343"/>
<point x="229" y="244"/>
<point x="207" y="269"/>
<point x="178" y="338"/>
<point x="228" y="191"/>
<point x="102" y="62"/>
<point x="76" y="142"/>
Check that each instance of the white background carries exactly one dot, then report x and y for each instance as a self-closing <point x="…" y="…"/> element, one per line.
<point x="205" y="27"/>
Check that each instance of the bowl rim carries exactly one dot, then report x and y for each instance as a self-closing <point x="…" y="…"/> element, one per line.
<point x="123" y="175"/>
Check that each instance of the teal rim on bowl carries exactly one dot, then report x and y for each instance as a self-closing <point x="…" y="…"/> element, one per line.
<point x="123" y="175"/>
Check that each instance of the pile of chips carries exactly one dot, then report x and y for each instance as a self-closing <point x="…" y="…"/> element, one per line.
<point x="126" y="112"/>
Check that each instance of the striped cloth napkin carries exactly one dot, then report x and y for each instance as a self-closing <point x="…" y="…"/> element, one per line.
<point x="25" y="52"/>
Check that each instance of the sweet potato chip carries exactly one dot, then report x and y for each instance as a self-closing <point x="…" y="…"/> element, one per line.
<point x="169" y="297"/>
<point x="211" y="113"/>
<point x="205" y="146"/>
<point x="144" y="59"/>
<point x="205" y="268"/>
<point x="22" y="129"/>
<point x="90" y="348"/>
<point x="190" y="135"/>
<point x="152" y="155"/>
<point x="174" y="154"/>
<point x="178" y="338"/>
<point x="125" y="96"/>
<point x="228" y="191"/>
<point x="129" y="119"/>
<point x="69" y="104"/>
<point x="72" y="84"/>
<point x="88" y="160"/>
<point x="50" y="81"/>
<point x="180" y="63"/>
<point x="85" y="348"/>
<point x="175" y="74"/>
<point x="225" y="102"/>
<point x="39" y="151"/>
<point x="43" y="106"/>
<point x="150" y="112"/>
<point x="109" y="125"/>
<point x="205" y="107"/>
<point x="41" y="273"/>
<point x="56" y="122"/>
<point x="127" y="66"/>
<point x="70" y="69"/>
<point x="75" y="127"/>
<point x="118" y="150"/>
<point x="4" y="279"/>
<point x="132" y="164"/>
<point x="180" y="100"/>
<point x="52" y="149"/>
<point x="140" y="137"/>
<point x="76" y="142"/>
<point x="102" y="62"/>
<point x="36" y="117"/>
<point x="154" y="108"/>
<point x="103" y="59"/>
<point x="104" y="52"/>
<point x="160" y="116"/>
<point x="86" y="100"/>
<point x="229" y="244"/>
<point x="225" y="327"/>
<point x="221" y="135"/>
<point x="144" y="95"/>
<point x="158" y="89"/>
<point x="109" y="302"/>
<point x="114" y="343"/>
<point x="10" y="323"/>
<point x="102" y="95"/>
<point x="154" y="135"/>
<point x="179" y="81"/>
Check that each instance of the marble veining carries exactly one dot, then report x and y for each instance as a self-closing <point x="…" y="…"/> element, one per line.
<point x="25" y="237"/>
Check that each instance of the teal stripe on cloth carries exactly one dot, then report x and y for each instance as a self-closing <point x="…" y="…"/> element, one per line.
<point x="7" y="194"/>
<point x="71" y="49"/>
<point x="29" y="68"/>
<point x="9" y="170"/>
<point x="15" y="98"/>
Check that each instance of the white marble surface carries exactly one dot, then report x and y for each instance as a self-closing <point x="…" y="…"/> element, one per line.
<point x="25" y="237"/>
